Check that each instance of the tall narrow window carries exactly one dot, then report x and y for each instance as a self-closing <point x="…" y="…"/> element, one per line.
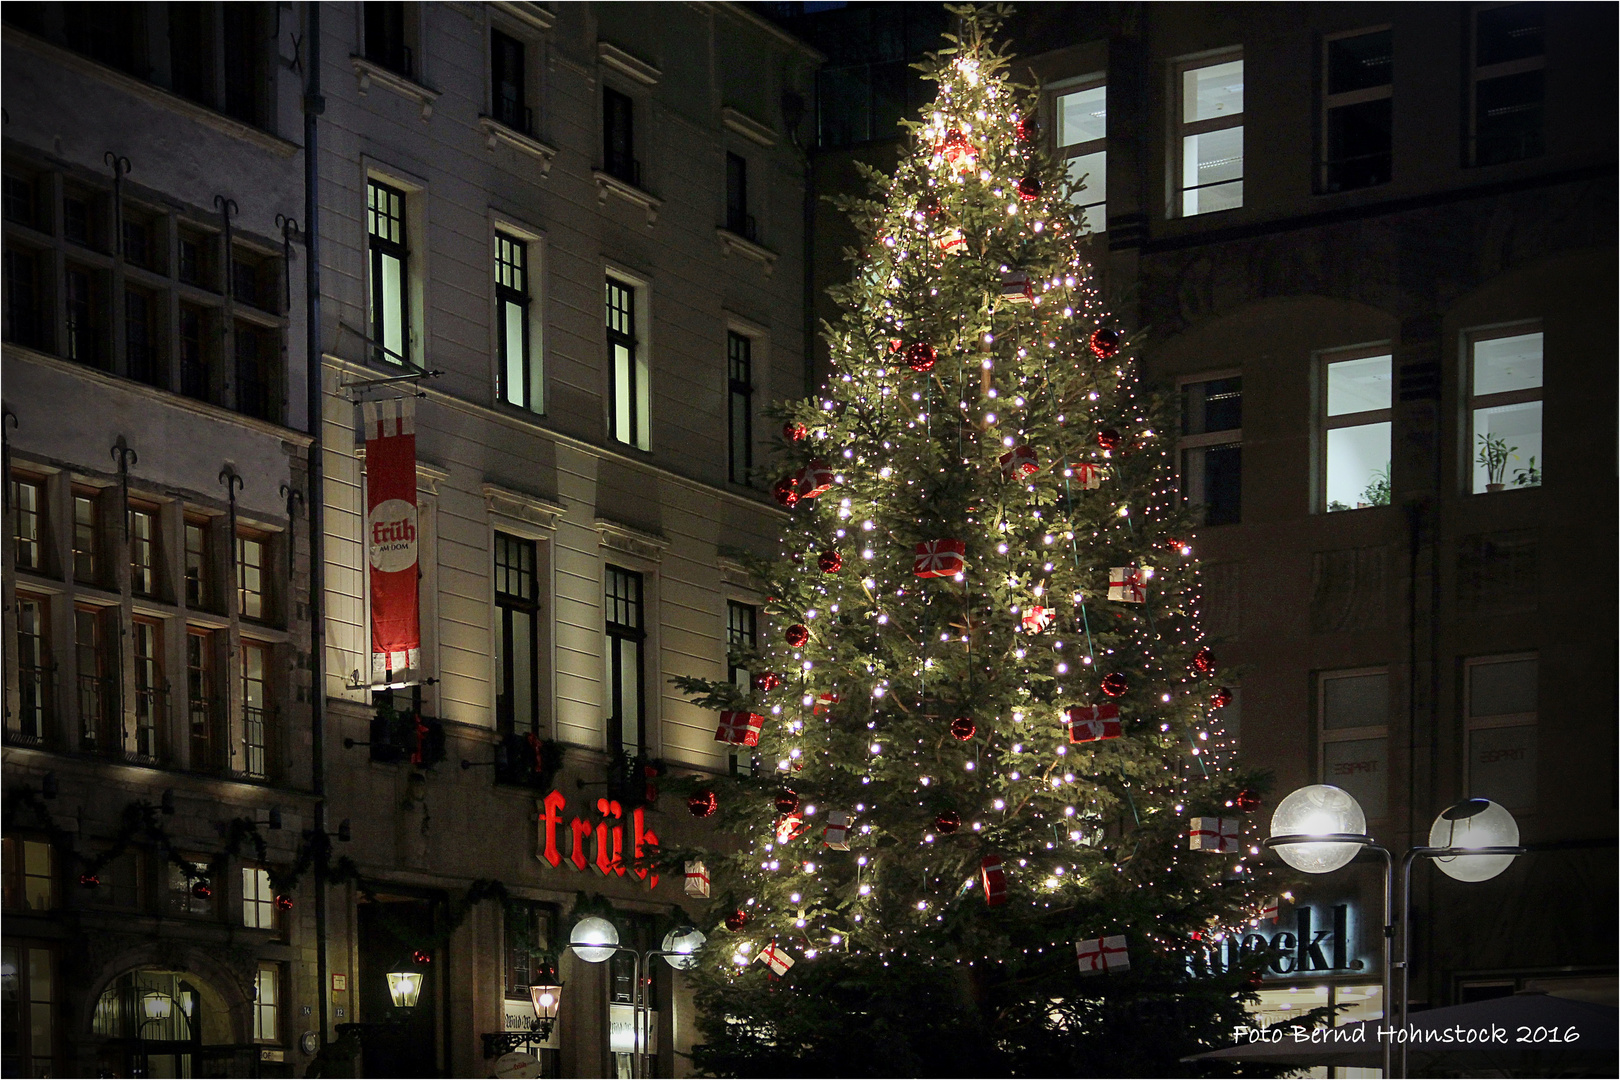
<point x="1357" y="107"/>
<point x="27" y="504"/>
<point x="29" y="1014"/>
<point x="96" y="691"/>
<point x="506" y="81"/>
<point x="742" y="640"/>
<point x="517" y="607"/>
<point x="83" y="330"/>
<point x="737" y="219"/>
<point x="182" y="895"/>
<point x="1502" y="714"/>
<point x="1353" y="714"/>
<point x="244" y="52"/>
<point x="625" y="638"/>
<point x="267" y="1003"/>
<point x="258" y="899"/>
<point x="1210" y="137"/>
<point x="1212" y="448"/>
<point x="390" y="319"/>
<point x="531" y="938"/>
<point x="86" y="539"/>
<point x="191" y="56"/>
<point x="1082" y="142"/>
<point x="33" y="664"/>
<point x="198" y="566"/>
<point x="629" y="388"/>
<point x="200" y="704"/>
<point x="150" y="699"/>
<point x="248" y="753"/>
<point x="1356" y="432"/>
<point x="520" y="368"/>
<point x="140" y="352"/>
<point x="23" y="322"/>
<point x="618" y="137"/>
<point x="1504" y="399"/>
<point x="740" y="399"/>
<point x="385" y="36"/>
<point x="254" y="357"/>
<point x="195" y="348"/>
<point x="1508" y="83"/>
<point x="30" y="875"/>
<point x="250" y="576"/>
<point x="143" y="554"/>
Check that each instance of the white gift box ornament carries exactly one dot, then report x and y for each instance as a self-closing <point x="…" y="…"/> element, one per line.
<point x="836" y="834"/>
<point x="1127" y="584"/>
<point x="697" y="878"/>
<point x="1217" y="834"/>
<point x="776" y="959"/>
<point x="1102" y="954"/>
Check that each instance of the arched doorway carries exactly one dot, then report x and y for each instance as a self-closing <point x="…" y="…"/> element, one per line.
<point x="163" y="1023"/>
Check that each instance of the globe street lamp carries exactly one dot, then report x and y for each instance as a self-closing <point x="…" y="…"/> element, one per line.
<point x="594" y="940"/>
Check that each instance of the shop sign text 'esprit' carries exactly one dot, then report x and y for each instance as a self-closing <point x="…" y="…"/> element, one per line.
<point x="599" y="844"/>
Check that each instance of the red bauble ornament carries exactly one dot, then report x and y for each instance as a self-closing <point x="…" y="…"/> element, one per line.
<point x="1026" y="129"/>
<point x="1248" y="800"/>
<point x="90" y="881"/>
<point x="201" y="890"/>
<point x="702" y="803"/>
<point x="963" y="728"/>
<point x="796" y="635"/>
<point x="1114" y="684"/>
<point x="957" y="151"/>
<point x="793" y="432"/>
<point x="786" y="801"/>
<point x="1221" y="698"/>
<point x="1195" y="935"/>
<point x="830" y="562"/>
<point x="1105" y="341"/>
<point x="921" y="356"/>
<point x="1029" y="188"/>
<point x="930" y="206"/>
<point x="283" y="902"/>
<point x="1108" y="438"/>
<point x="1203" y="661"/>
<point x="736" y="920"/>
<point x="948" y="821"/>
<point x="766" y="681"/>
<point x="421" y="956"/>
<point x="786" y="491"/>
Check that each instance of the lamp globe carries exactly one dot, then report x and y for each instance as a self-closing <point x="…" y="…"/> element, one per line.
<point x="1474" y="823"/>
<point x="1318" y="810"/>
<point x="594" y="939"/>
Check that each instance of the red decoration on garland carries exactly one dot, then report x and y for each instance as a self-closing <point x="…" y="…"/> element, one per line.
<point x="930" y="206"/>
<point x="90" y="881"/>
<point x="786" y="491"/>
<point x="766" y="681"/>
<point x="796" y="635"/>
<point x="830" y="562"/>
<point x="1248" y="800"/>
<point x="1221" y="698"/>
<point x="963" y="728"/>
<point x="1108" y="438"/>
<point x="921" y="356"/>
<point x="1203" y="661"/>
<point x="702" y="803"/>
<point x="1105" y="342"/>
<point x="201" y="890"/>
<point x="421" y="956"/>
<point x="283" y="902"/>
<point x="793" y="432"/>
<point x="786" y="801"/>
<point x="1029" y="188"/>
<point x="1114" y="684"/>
<point x="948" y="821"/>
<point x="736" y="920"/>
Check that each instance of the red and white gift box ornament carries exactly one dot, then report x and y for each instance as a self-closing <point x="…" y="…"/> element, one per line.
<point x="1019" y="461"/>
<point x="1127" y="584"/>
<point x="958" y="153"/>
<point x="1101" y="954"/>
<point x="951" y="242"/>
<point x="994" y="879"/>
<point x="1271" y="908"/>
<point x="776" y="958"/>
<point x="790" y="827"/>
<point x="1089" y="474"/>
<point x="814" y="479"/>
<point x="1036" y="619"/>
<point x="1015" y="287"/>
<point x="739" y="728"/>
<point x="824" y="702"/>
<point x="836" y="834"/>
<point x="1091" y="723"/>
<point x="697" y="878"/>
<point x="940" y="558"/>
<point x="1217" y="834"/>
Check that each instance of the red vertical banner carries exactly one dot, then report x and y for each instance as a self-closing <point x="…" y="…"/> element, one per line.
<point x="391" y="542"/>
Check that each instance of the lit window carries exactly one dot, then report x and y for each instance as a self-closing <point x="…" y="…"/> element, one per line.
<point x="151" y="700"/>
<point x="1082" y="141"/>
<point x="1357" y="110"/>
<point x="30" y="875"/>
<point x="1353" y="713"/>
<point x="258" y="899"/>
<point x="143" y="550"/>
<point x="520" y="368"/>
<point x="27" y="506"/>
<point x="250" y="576"/>
<point x="97" y="693"/>
<point x="267" y="1003"/>
<point x="629" y="367"/>
<point x="626" y="635"/>
<point x="200" y="705"/>
<point x="740" y="405"/>
<point x="197" y="568"/>
<point x="33" y="669"/>
<point x="1504" y="398"/>
<point x="248" y="743"/>
<point x="388" y="283"/>
<point x="1508" y="83"/>
<point x="1212" y="448"/>
<point x="86" y="539"/>
<point x="1356" y="432"/>
<point x="1502" y="714"/>
<point x="1210" y="136"/>
<point x="517" y="604"/>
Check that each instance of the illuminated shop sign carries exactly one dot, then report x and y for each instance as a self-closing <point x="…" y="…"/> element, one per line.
<point x="600" y="843"/>
<point x="1320" y="942"/>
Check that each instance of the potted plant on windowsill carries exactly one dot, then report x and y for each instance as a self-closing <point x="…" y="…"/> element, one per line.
<point x="1527" y="477"/>
<point x="1493" y="454"/>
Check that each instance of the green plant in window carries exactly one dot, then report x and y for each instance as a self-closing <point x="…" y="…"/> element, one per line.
<point x="1493" y="454"/>
<point x="1528" y="477"/>
<point x="1376" y="493"/>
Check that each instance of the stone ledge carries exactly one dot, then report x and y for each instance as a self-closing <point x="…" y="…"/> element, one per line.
<point x="367" y="72"/>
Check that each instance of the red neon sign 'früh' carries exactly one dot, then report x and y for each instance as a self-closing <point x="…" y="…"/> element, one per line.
<point x="605" y="838"/>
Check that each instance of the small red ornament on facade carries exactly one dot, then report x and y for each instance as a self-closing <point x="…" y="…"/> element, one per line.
<point x="90" y="881"/>
<point x="201" y="890"/>
<point x="422" y="956"/>
<point x="921" y="356"/>
<point x="948" y="821"/>
<point x="1104" y="342"/>
<point x="786" y="491"/>
<point x="1203" y="661"/>
<point x="766" y="681"/>
<point x="736" y="920"/>
<point x="1108" y="438"/>
<point x="1221" y="698"/>
<point x="283" y="902"/>
<point x="702" y="803"/>
<point x="830" y="562"/>
<point x="793" y="432"/>
<point x="1029" y="188"/>
<point x="963" y="728"/>
<point x="1114" y="684"/>
<point x="796" y="635"/>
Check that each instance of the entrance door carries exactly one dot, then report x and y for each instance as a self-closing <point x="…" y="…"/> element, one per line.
<point x="391" y="929"/>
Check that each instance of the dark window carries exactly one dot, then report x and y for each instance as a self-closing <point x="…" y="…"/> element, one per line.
<point x="83" y="324"/>
<point x="618" y="137"/>
<point x="1357" y="108"/>
<point x="140" y="352"/>
<point x="389" y="285"/>
<point x="86" y="539"/>
<point x="150" y="703"/>
<point x="1511" y="32"/>
<point x="201" y="706"/>
<point x="98" y="690"/>
<point x="520" y="375"/>
<point x="625" y="638"/>
<point x="33" y="668"/>
<point x="195" y="259"/>
<point x="740" y="410"/>
<point x="244" y="62"/>
<point x="1508" y="83"/>
<point x="254" y="363"/>
<point x="385" y="36"/>
<point x="23" y="322"/>
<point x="196" y="348"/>
<point x="198" y="567"/>
<point x="108" y="32"/>
<point x="1362" y="62"/>
<point x="76" y="219"/>
<point x="245" y="283"/>
<point x="742" y="641"/>
<point x="737" y="219"/>
<point x="531" y="944"/>
<point x="629" y="373"/>
<point x="137" y="245"/>
<point x="19" y="200"/>
<point x="191" y="54"/>
<point x="517" y="606"/>
<point x="506" y="81"/>
<point x="1211" y="448"/>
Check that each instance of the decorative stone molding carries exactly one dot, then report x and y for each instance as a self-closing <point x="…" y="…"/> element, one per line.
<point x="731" y="243"/>
<point x="746" y="126"/>
<point x="629" y="66"/>
<point x="428" y="476"/>
<point x="734" y="572"/>
<point x="531" y="15"/>
<point x="367" y="73"/>
<point x="607" y="184"/>
<point x="630" y="540"/>
<point x="534" y="510"/>
<point x="496" y="133"/>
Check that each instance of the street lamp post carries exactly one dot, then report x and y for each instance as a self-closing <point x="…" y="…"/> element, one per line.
<point x="595" y="940"/>
<point x="544" y="996"/>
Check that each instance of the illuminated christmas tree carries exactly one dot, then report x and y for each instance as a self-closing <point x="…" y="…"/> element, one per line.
<point x="985" y="718"/>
